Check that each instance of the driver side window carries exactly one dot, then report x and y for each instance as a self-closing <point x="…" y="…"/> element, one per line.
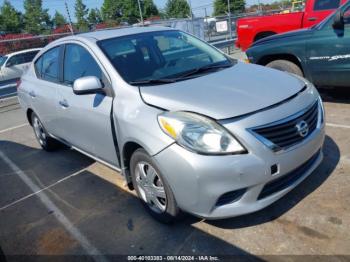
<point x="78" y="62"/>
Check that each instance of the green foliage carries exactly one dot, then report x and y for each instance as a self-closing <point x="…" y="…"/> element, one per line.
<point x="81" y="13"/>
<point x="59" y="20"/>
<point x="94" y="16"/>
<point x="10" y="18"/>
<point x="221" y="7"/>
<point x="120" y="11"/>
<point x="149" y="9"/>
<point x="110" y="10"/>
<point x="177" y="9"/>
<point x="36" y="19"/>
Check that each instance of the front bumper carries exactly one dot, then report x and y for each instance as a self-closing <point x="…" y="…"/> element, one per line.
<point x="198" y="181"/>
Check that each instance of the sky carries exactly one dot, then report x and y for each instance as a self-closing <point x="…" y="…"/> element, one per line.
<point x="53" y="5"/>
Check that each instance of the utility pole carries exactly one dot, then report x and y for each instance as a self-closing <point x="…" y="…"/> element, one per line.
<point x="190" y="4"/>
<point x="138" y="1"/>
<point x="206" y="22"/>
<point x="229" y="18"/>
<point x="69" y="19"/>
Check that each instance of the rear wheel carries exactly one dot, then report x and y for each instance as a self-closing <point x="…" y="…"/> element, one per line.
<point x="287" y="66"/>
<point x="44" y="139"/>
<point x="152" y="189"/>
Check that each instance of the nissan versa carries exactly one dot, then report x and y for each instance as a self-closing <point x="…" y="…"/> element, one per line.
<point x="190" y="128"/>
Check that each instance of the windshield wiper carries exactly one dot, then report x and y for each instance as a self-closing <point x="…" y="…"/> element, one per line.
<point x="203" y="69"/>
<point x="152" y="81"/>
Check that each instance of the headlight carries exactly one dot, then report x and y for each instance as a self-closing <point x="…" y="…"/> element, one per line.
<point x="198" y="133"/>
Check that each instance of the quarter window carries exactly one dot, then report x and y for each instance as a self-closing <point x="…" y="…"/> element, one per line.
<point x="78" y="62"/>
<point x="28" y="57"/>
<point x="326" y="4"/>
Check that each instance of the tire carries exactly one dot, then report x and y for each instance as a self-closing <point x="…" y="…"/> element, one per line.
<point x="152" y="188"/>
<point x="46" y="142"/>
<point x="287" y="66"/>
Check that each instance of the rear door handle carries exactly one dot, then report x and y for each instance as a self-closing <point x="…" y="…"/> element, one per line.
<point x="63" y="103"/>
<point x="32" y="94"/>
<point x="313" y="18"/>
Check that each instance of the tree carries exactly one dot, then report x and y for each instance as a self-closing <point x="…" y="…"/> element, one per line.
<point x="236" y="6"/>
<point x="177" y="9"/>
<point x="120" y="11"/>
<point x="94" y="16"/>
<point x="59" y="20"/>
<point x="10" y="18"/>
<point x="110" y="10"/>
<point x="81" y="13"/>
<point x="36" y="19"/>
<point x="149" y="9"/>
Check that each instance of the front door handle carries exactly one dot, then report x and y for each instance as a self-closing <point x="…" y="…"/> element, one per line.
<point x="32" y="94"/>
<point x="313" y="18"/>
<point x="63" y="103"/>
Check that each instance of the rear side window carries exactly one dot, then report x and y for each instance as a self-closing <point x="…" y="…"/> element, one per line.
<point x="78" y="62"/>
<point x="28" y="57"/>
<point x="326" y="4"/>
<point x="15" y="60"/>
<point x="47" y="66"/>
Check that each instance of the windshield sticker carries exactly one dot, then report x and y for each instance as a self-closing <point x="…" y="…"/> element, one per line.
<point x="330" y="58"/>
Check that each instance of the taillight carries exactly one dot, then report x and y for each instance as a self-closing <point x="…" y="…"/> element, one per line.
<point x="18" y="83"/>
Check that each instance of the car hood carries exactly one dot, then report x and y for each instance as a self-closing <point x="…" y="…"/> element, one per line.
<point x="283" y="36"/>
<point x="231" y="92"/>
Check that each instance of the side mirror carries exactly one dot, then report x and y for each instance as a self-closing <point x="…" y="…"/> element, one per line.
<point x="87" y="85"/>
<point x="338" y="23"/>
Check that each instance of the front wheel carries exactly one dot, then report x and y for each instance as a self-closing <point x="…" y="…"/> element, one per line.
<point x="152" y="189"/>
<point x="44" y="139"/>
<point x="287" y="66"/>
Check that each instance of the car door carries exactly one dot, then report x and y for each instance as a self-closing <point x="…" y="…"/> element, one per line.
<point x="43" y="89"/>
<point x="329" y="53"/>
<point x="318" y="11"/>
<point x="84" y="120"/>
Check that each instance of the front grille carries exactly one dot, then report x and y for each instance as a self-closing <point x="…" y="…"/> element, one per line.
<point x="287" y="180"/>
<point x="285" y="133"/>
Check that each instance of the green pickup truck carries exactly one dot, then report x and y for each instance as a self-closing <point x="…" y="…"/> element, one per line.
<point x="320" y="53"/>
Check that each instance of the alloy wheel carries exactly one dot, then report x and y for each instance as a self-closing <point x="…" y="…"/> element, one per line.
<point x="39" y="131"/>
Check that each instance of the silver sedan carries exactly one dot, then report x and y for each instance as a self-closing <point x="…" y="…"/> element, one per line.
<point x="190" y="128"/>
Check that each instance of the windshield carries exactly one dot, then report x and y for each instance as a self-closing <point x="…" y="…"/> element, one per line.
<point x="161" y="55"/>
<point x="2" y="60"/>
<point x="329" y="18"/>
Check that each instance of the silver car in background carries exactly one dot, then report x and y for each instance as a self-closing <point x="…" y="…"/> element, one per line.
<point x="190" y="128"/>
<point x="13" y="65"/>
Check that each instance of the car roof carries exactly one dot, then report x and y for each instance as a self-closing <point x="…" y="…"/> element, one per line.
<point x="110" y="33"/>
<point x="23" y="51"/>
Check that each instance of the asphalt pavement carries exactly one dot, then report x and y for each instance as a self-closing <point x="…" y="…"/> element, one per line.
<point x="64" y="203"/>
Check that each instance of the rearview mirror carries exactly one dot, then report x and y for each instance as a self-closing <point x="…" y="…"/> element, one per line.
<point x="338" y="22"/>
<point x="87" y="85"/>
